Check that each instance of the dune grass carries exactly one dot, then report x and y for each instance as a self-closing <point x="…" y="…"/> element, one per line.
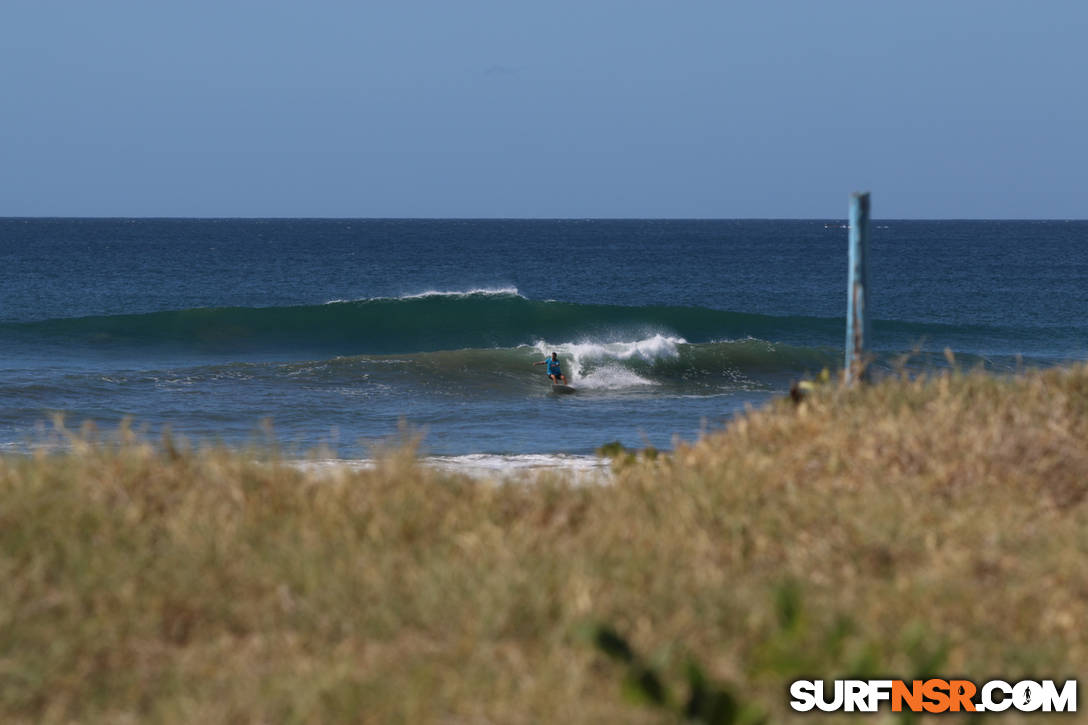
<point x="936" y="526"/>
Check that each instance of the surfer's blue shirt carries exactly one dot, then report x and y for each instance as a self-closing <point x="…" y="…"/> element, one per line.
<point x="553" y="367"/>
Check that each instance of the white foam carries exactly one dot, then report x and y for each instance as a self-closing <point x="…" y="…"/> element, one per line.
<point x="487" y="291"/>
<point x="494" y="463"/>
<point x="596" y="355"/>
<point x="483" y="291"/>
<point x="524" y="467"/>
<point x="611" y="377"/>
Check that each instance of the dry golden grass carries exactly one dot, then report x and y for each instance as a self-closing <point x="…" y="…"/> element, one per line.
<point x="935" y="527"/>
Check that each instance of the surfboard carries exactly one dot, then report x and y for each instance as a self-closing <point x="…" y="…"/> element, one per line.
<point x="560" y="389"/>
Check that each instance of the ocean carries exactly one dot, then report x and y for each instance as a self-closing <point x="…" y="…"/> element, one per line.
<point x="342" y="335"/>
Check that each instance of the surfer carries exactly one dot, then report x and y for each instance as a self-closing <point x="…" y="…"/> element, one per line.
<point x="554" y="372"/>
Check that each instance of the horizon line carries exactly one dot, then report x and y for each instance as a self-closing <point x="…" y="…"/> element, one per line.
<point x="156" y="217"/>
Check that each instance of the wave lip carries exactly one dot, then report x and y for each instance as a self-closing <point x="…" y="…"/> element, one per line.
<point x="475" y="292"/>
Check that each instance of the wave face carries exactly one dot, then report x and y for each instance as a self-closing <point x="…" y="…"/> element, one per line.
<point x="477" y="319"/>
<point x="426" y="322"/>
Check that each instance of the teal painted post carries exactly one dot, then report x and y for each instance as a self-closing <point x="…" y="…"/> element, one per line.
<point x="857" y="309"/>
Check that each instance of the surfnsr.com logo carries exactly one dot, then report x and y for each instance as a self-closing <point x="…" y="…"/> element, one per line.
<point x="933" y="696"/>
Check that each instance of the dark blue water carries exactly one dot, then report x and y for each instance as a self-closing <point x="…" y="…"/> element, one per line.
<point x="339" y="331"/>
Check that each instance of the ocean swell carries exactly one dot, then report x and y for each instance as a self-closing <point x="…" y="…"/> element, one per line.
<point x="474" y="319"/>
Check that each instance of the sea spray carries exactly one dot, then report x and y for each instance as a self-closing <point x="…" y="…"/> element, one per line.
<point x="600" y="365"/>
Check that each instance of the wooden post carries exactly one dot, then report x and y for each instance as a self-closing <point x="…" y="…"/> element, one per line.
<point x="857" y="309"/>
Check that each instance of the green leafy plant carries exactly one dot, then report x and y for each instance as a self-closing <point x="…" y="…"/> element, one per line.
<point x="706" y="701"/>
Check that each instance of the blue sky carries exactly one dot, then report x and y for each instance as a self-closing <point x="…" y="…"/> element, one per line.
<point x="954" y="109"/>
